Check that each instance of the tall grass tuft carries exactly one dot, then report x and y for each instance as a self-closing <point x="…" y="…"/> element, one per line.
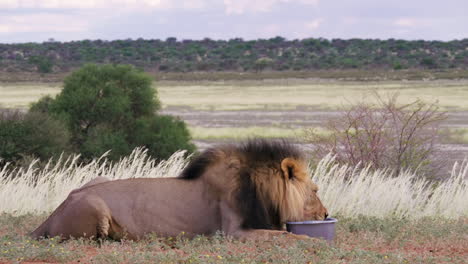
<point x="345" y="190"/>
<point x="35" y="191"/>
<point x="355" y="191"/>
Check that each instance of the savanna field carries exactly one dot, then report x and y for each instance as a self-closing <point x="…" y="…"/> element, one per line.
<point x="382" y="219"/>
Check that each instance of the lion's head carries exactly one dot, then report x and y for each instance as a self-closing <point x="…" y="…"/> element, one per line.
<point x="267" y="181"/>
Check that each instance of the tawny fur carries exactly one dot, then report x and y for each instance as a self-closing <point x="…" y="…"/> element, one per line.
<point x="245" y="191"/>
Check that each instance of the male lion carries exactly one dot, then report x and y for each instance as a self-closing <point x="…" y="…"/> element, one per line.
<point x="248" y="191"/>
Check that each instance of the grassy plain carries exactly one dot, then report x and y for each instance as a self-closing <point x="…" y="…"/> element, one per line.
<point x="282" y="94"/>
<point x="312" y="94"/>
<point x="270" y="95"/>
<point x="20" y="95"/>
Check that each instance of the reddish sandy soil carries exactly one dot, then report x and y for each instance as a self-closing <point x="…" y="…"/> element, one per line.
<point x="410" y="249"/>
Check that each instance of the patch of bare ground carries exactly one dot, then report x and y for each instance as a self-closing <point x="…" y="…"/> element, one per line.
<point x="301" y="117"/>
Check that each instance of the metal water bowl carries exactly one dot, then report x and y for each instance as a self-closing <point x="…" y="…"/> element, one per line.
<point x="321" y="229"/>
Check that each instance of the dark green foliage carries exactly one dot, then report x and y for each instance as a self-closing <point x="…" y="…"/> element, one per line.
<point x="262" y="63"/>
<point x="105" y="107"/>
<point x="172" y="55"/>
<point x="429" y="63"/>
<point x="108" y="95"/>
<point x="42" y="106"/>
<point x="398" y="66"/>
<point x="43" y="64"/>
<point x="162" y="135"/>
<point x="102" y="139"/>
<point x="33" y="135"/>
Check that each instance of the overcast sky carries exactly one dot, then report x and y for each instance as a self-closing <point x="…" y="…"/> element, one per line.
<point x="65" y="20"/>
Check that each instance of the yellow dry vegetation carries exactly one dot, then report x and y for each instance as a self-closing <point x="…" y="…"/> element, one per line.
<point x="270" y="94"/>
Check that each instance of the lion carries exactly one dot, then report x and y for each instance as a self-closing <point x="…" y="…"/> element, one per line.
<point x="96" y="180"/>
<point x="247" y="191"/>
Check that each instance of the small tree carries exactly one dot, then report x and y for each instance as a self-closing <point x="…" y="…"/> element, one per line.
<point x="386" y="135"/>
<point x="261" y="63"/>
<point x="43" y="64"/>
<point x="112" y="95"/>
<point x="102" y="106"/>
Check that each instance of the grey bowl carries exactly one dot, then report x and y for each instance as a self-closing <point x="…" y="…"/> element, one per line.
<point x="323" y="229"/>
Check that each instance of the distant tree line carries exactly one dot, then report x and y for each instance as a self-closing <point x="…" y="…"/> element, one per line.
<point x="278" y="54"/>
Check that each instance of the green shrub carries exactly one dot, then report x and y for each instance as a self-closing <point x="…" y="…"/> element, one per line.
<point x="102" y="139"/>
<point x="42" y="106"/>
<point x="104" y="107"/>
<point x="33" y="135"/>
<point x="43" y="64"/>
<point x="96" y="95"/>
<point x="162" y="135"/>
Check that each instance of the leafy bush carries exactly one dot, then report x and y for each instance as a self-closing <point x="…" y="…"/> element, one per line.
<point x="162" y="135"/>
<point x="102" y="139"/>
<point x="43" y="105"/>
<point x="43" y="64"/>
<point x="34" y="135"/>
<point x="385" y="135"/>
<point x="104" y="107"/>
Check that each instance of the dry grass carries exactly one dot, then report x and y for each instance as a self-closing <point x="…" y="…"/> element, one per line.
<point x="355" y="192"/>
<point x="381" y="219"/>
<point x="213" y="133"/>
<point x="368" y="193"/>
<point x="269" y="94"/>
<point x="290" y="94"/>
<point x="350" y="74"/>
<point x="39" y="191"/>
<point x="454" y="135"/>
<point x="21" y="95"/>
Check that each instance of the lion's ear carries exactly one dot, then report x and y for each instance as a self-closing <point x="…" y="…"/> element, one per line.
<point x="288" y="166"/>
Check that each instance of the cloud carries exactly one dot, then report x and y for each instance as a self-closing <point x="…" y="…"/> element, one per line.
<point x="270" y="30"/>
<point x="92" y="4"/>
<point x="405" y="22"/>
<point x="42" y="23"/>
<point x="65" y="20"/>
<point x="243" y="6"/>
<point x="413" y="23"/>
<point x="314" y="24"/>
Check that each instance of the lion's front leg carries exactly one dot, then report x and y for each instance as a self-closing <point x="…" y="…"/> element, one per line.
<point x="231" y="226"/>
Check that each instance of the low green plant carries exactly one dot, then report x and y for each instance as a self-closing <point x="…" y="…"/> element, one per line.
<point x="26" y="136"/>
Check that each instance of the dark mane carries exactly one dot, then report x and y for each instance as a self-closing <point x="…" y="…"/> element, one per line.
<point x="198" y="164"/>
<point x="256" y="213"/>
<point x="263" y="152"/>
<point x="255" y="154"/>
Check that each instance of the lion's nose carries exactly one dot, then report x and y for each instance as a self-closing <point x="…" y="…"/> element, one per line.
<point x="326" y="215"/>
